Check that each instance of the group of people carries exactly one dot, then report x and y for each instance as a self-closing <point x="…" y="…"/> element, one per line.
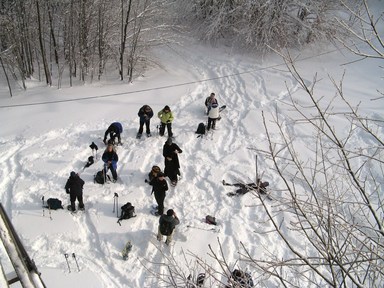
<point x="74" y="185"/>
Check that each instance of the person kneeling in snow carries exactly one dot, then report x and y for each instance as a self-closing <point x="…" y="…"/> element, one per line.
<point x="114" y="130"/>
<point x="110" y="159"/>
<point x="74" y="187"/>
<point x="167" y="225"/>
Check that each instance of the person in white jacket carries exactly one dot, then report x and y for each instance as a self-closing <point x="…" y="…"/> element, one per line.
<point x="213" y="115"/>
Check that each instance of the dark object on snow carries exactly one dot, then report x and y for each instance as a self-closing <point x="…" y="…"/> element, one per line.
<point x="245" y="188"/>
<point x="200" y="279"/>
<point x="101" y="178"/>
<point x="210" y="220"/>
<point x="93" y="146"/>
<point x="54" y="204"/>
<point x="127" y="212"/>
<point x="200" y="130"/>
<point x="90" y="162"/>
<point x="240" y="279"/>
<point x="74" y="187"/>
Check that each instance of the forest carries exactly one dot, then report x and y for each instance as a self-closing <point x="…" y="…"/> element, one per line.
<point x="81" y="40"/>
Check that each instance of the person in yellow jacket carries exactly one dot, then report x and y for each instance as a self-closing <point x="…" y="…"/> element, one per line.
<point x="166" y="118"/>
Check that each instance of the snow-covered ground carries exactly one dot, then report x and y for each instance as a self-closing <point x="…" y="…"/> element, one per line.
<point x="45" y="134"/>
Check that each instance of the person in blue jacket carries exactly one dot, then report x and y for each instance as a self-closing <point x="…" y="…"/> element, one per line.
<point x="114" y="130"/>
<point x="110" y="159"/>
<point x="145" y="113"/>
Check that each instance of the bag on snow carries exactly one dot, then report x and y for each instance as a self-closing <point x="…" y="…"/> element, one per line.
<point x="200" y="129"/>
<point x="242" y="278"/>
<point x="99" y="177"/>
<point x="54" y="204"/>
<point x="127" y="211"/>
<point x="210" y="220"/>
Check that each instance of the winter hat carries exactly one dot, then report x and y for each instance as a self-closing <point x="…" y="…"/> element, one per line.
<point x="169" y="141"/>
<point x="170" y="212"/>
<point x="214" y="105"/>
<point x="166" y="107"/>
<point x="73" y="174"/>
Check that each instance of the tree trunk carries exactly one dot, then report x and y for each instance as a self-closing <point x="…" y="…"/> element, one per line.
<point x="42" y="49"/>
<point x="124" y="28"/>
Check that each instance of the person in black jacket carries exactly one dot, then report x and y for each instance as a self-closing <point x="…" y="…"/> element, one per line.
<point x="159" y="187"/>
<point x="167" y="225"/>
<point x="74" y="187"/>
<point x="171" y="160"/>
<point x="145" y="113"/>
<point x="110" y="159"/>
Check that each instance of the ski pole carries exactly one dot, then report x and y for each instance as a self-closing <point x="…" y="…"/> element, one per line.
<point x="66" y="258"/>
<point x="114" y="203"/>
<point x="117" y="204"/>
<point x="50" y="214"/>
<point x="74" y="257"/>
<point x="42" y="199"/>
<point x="211" y="229"/>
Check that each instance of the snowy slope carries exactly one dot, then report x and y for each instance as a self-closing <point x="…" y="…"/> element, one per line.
<point x="41" y="144"/>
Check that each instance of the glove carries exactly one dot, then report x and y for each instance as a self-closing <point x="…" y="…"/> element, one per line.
<point x="169" y="121"/>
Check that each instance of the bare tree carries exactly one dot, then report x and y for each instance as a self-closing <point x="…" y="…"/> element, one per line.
<point x="258" y="25"/>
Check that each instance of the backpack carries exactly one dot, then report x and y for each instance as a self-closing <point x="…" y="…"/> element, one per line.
<point x="242" y="278"/>
<point x="99" y="177"/>
<point x="127" y="211"/>
<point x="200" y="129"/>
<point x="166" y="228"/>
<point x="54" y="204"/>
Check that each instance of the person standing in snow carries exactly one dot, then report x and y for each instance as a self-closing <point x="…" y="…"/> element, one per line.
<point x="209" y="101"/>
<point x="166" y="117"/>
<point x="213" y="115"/>
<point x="110" y="160"/>
<point x="167" y="225"/>
<point x="114" y="130"/>
<point x="171" y="160"/>
<point x="74" y="187"/>
<point x="145" y="113"/>
<point x="159" y="187"/>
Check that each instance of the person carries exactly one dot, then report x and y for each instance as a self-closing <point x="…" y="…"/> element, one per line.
<point x="110" y="160"/>
<point x="145" y="113"/>
<point x="167" y="225"/>
<point x="74" y="187"/>
<point x="153" y="173"/>
<point x="171" y="160"/>
<point x="245" y="188"/>
<point x="159" y="187"/>
<point x="166" y="117"/>
<point x="114" y="130"/>
<point x="209" y="101"/>
<point x="213" y="115"/>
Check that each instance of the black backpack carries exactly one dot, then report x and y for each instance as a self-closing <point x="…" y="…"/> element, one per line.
<point x="127" y="211"/>
<point x="200" y="129"/>
<point x="54" y="204"/>
<point x="99" y="177"/>
<point x="166" y="228"/>
<point x="242" y="278"/>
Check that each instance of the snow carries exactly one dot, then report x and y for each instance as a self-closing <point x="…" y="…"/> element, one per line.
<point x="46" y="133"/>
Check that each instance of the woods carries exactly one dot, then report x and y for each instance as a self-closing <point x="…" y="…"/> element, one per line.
<point x="77" y="40"/>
